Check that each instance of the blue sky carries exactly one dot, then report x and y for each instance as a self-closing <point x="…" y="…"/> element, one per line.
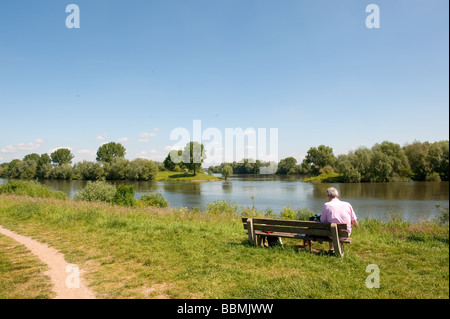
<point x="136" y="70"/>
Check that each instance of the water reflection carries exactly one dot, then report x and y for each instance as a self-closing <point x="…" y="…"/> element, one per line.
<point x="389" y="191"/>
<point x="412" y="201"/>
<point x="227" y="187"/>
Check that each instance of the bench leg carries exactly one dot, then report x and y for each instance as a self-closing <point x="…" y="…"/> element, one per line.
<point x="336" y="243"/>
<point x="259" y="240"/>
<point x="307" y="242"/>
<point x="264" y="240"/>
<point x="251" y="232"/>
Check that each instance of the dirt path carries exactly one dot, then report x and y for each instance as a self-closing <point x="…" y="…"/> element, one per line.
<point x="67" y="284"/>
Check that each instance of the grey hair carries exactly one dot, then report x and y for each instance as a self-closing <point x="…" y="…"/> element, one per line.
<point x="332" y="192"/>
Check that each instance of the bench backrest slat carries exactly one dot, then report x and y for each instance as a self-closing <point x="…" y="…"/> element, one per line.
<point x="305" y="231"/>
<point x="294" y="223"/>
<point x="296" y="227"/>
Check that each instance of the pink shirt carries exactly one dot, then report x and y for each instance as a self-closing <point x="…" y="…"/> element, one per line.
<point x="337" y="211"/>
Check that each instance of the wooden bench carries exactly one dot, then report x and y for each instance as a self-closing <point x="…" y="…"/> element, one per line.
<point x="307" y="230"/>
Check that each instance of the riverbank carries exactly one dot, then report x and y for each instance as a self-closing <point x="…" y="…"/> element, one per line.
<point x="181" y="177"/>
<point x="180" y="253"/>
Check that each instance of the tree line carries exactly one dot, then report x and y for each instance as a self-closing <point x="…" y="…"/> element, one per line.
<point x="384" y="162"/>
<point x="110" y="165"/>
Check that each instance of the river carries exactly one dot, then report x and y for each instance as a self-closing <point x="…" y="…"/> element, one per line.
<point x="413" y="201"/>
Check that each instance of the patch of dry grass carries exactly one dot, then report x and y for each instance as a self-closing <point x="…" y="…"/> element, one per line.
<point x="22" y="273"/>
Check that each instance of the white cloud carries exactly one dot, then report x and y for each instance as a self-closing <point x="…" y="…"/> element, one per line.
<point x="157" y="158"/>
<point x="156" y="129"/>
<point x="23" y="147"/>
<point x="123" y="139"/>
<point x="101" y="137"/>
<point x="147" y="134"/>
<point x="142" y="154"/>
<point x="143" y="140"/>
<point x="154" y="151"/>
<point x="298" y="156"/>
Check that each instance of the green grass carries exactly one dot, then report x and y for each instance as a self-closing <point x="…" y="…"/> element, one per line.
<point x="21" y="273"/>
<point x="179" y="253"/>
<point x="30" y="188"/>
<point x="327" y="177"/>
<point x="180" y="176"/>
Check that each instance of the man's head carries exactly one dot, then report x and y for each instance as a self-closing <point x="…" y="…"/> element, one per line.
<point x="332" y="193"/>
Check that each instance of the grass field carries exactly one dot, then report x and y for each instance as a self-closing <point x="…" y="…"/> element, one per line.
<point x="177" y="253"/>
<point x="180" y="176"/>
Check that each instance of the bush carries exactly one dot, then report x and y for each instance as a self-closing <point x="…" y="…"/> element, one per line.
<point x="304" y="214"/>
<point x="124" y="195"/>
<point x="152" y="199"/>
<point x="98" y="191"/>
<point x="89" y="171"/>
<point x="30" y="188"/>
<point x="222" y="206"/>
<point x="443" y="216"/>
<point x="252" y="212"/>
<point x="118" y="169"/>
<point x="142" y="170"/>
<point x="270" y="213"/>
<point x="288" y="213"/>
<point x="65" y="172"/>
<point x="433" y="177"/>
<point x="299" y="214"/>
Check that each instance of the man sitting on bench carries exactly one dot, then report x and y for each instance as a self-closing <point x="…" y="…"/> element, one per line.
<point x="337" y="211"/>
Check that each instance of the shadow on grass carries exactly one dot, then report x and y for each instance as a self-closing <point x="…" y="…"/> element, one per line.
<point x="298" y="248"/>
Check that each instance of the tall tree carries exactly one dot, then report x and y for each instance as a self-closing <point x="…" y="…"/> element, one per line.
<point x="438" y="159"/>
<point x="107" y="152"/>
<point x="227" y="171"/>
<point x="417" y="157"/>
<point x="169" y="164"/>
<point x="32" y="157"/>
<point x="320" y="157"/>
<point x="61" y="156"/>
<point x="193" y="156"/>
<point x="396" y="154"/>
<point x="287" y="166"/>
